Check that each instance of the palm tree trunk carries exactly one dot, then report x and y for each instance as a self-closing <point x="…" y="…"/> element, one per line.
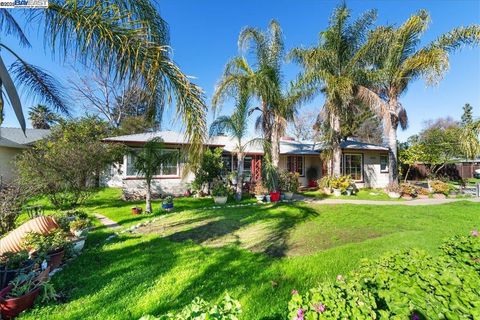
<point x="337" y="150"/>
<point x="148" y="197"/>
<point x="240" y="156"/>
<point x="393" y="156"/>
<point x="275" y="145"/>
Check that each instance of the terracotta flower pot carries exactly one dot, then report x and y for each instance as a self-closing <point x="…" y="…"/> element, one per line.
<point x="12" y="242"/>
<point x="136" y="211"/>
<point x="55" y="258"/>
<point x="10" y="308"/>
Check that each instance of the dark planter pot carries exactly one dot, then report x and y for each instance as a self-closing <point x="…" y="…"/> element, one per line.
<point x="167" y="206"/>
<point x="274" y="196"/>
<point x="7" y="275"/>
<point x="312" y="184"/>
<point x="55" y="258"/>
<point x="136" y="211"/>
<point x="10" y="308"/>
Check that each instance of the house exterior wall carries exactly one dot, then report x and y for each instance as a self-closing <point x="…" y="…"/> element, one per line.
<point x="309" y="161"/>
<point x="372" y="175"/>
<point x="7" y="168"/>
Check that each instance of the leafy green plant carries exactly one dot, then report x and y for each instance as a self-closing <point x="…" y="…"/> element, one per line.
<point x="80" y="224"/>
<point x="408" y="189"/>
<point x="464" y="249"/>
<point x="341" y="182"/>
<point x="167" y="200"/>
<point x="26" y="283"/>
<point x="439" y="187"/>
<point x="407" y="284"/>
<point x="13" y="260"/>
<point x="227" y="309"/>
<point x="259" y="188"/>
<point x="44" y="244"/>
<point x="219" y="189"/>
<point x="288" y="181"/>
<point x="325" y="182"/>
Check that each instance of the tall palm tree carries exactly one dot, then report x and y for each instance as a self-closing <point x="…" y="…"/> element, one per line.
<point x="42" y="117"/>
<point x="127" y="37"/>
<point x="399" y="60"/>
<point x="264" y="82"/>
<point x="236" y="125"/>
<point x="147" y="163"/>
<point x="334" y="68"/>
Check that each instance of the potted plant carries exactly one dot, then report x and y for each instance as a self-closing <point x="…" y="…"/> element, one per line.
<point x="167" y="203"/>
<point x="233" y="177"/>
<point x="219" y="192"/>
<point x="393" y="190"/>
<point x="19" y="296"/>
<point x="349" y="191"/>
<point x="12" y="264"/>
<point x="51" y="246"/>
<point x="271" y="182"/>
<point x="80" y="227"/>
<point x="312" y="176"/>
<point x="326" y="184"/>
<point x="136" y="210"/>
<point x="289" y="184"/>
<point x="340" y="184"/>
<point x="259" y="190"/>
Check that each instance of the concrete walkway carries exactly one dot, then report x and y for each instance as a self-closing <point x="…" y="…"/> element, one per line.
<point x="110" y="224"/>
<point x="418" y="202"/>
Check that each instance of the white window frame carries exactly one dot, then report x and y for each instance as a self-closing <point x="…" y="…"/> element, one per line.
<point x="162" y="176"/>
<point x="388" y="158"/>
<point x="303" y="164"/>
<point x="361" y="164"/>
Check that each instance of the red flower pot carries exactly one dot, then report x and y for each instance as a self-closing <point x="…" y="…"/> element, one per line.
<point x="312" y="184"/>
<point x="275" y="196"/>
<point x="56" y="258"/>
<point x="10" y="308"/>
<point x="136" y="211"/>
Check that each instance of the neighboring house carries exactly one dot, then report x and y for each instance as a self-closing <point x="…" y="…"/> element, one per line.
<point x="366" y="163"/>
<point x="12" y="142"/>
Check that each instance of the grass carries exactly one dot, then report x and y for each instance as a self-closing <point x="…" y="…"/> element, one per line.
<point x="362" y="194"/>
<point x="259" y="254"/>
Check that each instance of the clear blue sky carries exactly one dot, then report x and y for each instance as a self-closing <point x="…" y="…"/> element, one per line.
<point x="204" y="36"/>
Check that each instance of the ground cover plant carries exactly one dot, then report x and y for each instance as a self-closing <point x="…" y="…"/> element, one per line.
<point x="256" y="253"/>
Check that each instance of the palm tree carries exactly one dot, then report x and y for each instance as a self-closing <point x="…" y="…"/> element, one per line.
<point x="469" y="141"/>
<point x="127" y="37"/>
<point x="147" y="163"/>
<point x="264" y="82"/>
<point x="334" y="68"/>
<point x="236" y="125"/>
<point x="399" y="60"/>
<point x="42" y="117"/>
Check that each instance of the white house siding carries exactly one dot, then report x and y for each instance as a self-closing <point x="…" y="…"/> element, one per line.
<point x="372" y="176"/>
<point x="135" y="187"/>
<point x="7" y="168"/>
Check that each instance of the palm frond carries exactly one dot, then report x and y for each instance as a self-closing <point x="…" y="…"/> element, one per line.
<point x="12" y="94"/>
<point x="220" y="126"/>
<point x="10" y="26"/>
<point x="458" y="37"/>
<point x="253" y="38"/>
<point x="37" y="83"/>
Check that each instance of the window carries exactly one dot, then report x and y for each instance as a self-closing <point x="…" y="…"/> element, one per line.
<point x="227" y="163"/>
<point x="295" y="164"/>
<point x="384" y="163"/>
<point x="353" y="164"/>
<point x="169" y="169"/>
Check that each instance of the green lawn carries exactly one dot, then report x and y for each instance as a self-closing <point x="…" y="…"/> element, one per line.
<point x="259" y="254"/>
<point x="362" y="194"/>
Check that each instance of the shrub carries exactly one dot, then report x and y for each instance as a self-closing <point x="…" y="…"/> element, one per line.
<point x="13" y="260"/>
<point x="289" y="181"/>
<point x="439" y="187"/>
<point x="409" y="284"/>
<point x="422" y="191"/>
<point x="219" y="189"/>
<point x="167" y="200"/>
<point x="12" y="197"/>
<point x="227" y="309"/>
<point x="80" y="224"/>
<point x="44" y="244"/>
<point x="325" y="182"/>
<point x="393" y="187"/>
<point x="259" y="188"/>
<point x="341" y="182"/>
<point x="464" y="249"/>
<point x="408" y="189"/>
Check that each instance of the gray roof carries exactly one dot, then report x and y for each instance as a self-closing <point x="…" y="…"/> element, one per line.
<point x="229" y="144"/>
<point x="15" y="138"/>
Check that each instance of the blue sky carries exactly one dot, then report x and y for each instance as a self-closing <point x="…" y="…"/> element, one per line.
<point x="204" y="36"/>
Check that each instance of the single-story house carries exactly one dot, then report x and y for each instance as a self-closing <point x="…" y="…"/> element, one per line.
<point x="366" y="163"/>
<point x="12" y="142"/>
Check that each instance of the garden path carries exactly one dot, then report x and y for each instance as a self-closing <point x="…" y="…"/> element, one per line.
<point x="108" y="223"/>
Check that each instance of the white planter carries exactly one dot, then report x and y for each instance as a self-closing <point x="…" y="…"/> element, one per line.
<point x="394" y="195"/>
<point x="78" y="245"/>
<point x="259" y="197"/>
<point x="79" y="233"/>
<point x="288" y="195"/>
<point x="268" y="198"/>
<point x="220" y="200"/>
<point x="337" y="192"/>
<point x="349" y="192"/>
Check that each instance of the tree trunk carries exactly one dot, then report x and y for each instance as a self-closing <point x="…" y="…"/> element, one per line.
<point x="337" y="150"/>
<point x="148" y="198"/>
<point x="393" y="157"/>
<point x="275" y="145"/>
<point x="238" y="195"/>
<point x="407" y="173"/>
